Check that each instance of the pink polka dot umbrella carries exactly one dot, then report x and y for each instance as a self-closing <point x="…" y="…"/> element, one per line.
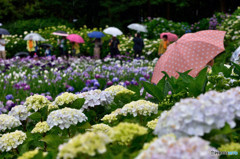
<point x="171" y="36"/>
<point x="191" y="52"/>
<point x="75" y="38"/>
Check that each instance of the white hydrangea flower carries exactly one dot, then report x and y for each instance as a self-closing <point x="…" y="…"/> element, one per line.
<point x="106" y="98"/>
<point x="114" y="90"/>
<point x="152" y="124"/>
<point x="8" y="122"/>
<point x="12" y="140"/>
<point x="140" y="107"/>
<point x="52" y="106"/>
<point x="167" y="147"/>
<point x="198" y="116"/>
<point x="88" y="143"/>
<point x="20" y="112"/>
<point x="100" y="128"/>
<point x="41" y="127"/>
<point x="65" y="117"/>
<point x="111" y="117"/>
<point x="65" y="98"/>
<point x="36" y="102"/>
<point x="95" y="97"/>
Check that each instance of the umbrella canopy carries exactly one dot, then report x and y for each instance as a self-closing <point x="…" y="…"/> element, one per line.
<point x="96" y="34"/>
<point x="60" y="33"/>
<point x="171" y="36"/>
<point x="75" y="38"/>
<point x="191" y="51"/>
<point x="113" y="31"/>
<point x="138" y="27"/>
<point x="4" y="32"/>
<point x="34" y="36"/>
<point x="22" y="54"/>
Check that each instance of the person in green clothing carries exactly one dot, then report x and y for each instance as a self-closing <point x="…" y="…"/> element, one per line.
<point x="75" y="49"/>
<point x="163" y="45"/>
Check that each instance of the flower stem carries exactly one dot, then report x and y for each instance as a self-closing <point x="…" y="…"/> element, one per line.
<point x="69" y="132"/>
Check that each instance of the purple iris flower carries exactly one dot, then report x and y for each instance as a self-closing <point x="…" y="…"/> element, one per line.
<point x="9" y="104"/>
<point x="142" y="79"/>
<point x="93" y="81"/>
<point x="115" y="79"/>
<point x="96" y="84"/>
<point x="9" y="97"/>
<point x="97" y="76"/>
<point x="49" y="98"/>
<point x="27" y="87"/>
<point x="88" y="82"/>
<point x="70" y="89"/>
<point x="127" y="83"/>
<point x="134" y="82"/>
<point x="147" y="76"/>
<point x="109" y="83"/>
<point x="85" y="89"/>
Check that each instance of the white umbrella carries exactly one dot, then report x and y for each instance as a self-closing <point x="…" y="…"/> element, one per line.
<point x="138" y="27"/>
<point x="113" y="31"/>
<point x="34" y="36"/>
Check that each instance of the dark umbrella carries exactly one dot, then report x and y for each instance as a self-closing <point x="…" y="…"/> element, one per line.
<point x="46" y="45"/>
<point x="22" y="54"/>
<point x="4" y="32"/>
<point x="60" y="33"/>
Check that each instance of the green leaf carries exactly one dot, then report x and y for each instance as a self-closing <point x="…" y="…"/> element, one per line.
<point x="77" y="104"/>
<point x="52" y="141"/>
<point x="86" y="125"/>
<point x="153" y="90"/>
<point x="135" y="89"/>
<point x="185" y="77"/>
<point x="198" y="85"/>
<point x="236" y="69"/>
<point x="39" y="155"/>
<point x="36" y="116"/>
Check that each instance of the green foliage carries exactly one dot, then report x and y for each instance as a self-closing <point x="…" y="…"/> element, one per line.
<point x="159" y="25"/>
<point x="232" y="39"/>
<point x="20" y="26"/>
<point x="185" y="83"/>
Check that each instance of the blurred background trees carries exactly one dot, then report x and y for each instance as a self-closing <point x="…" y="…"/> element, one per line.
<point x="98" y="13"/>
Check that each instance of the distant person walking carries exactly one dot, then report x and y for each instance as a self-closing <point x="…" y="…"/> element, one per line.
<point x="138" y="45"/>
<point x="31" y="44"/>
<point x="48" y="51"/>
<point x="114" y="44"/>
<point x="163" y="45"/>
<point x="2" y="48"/>
<point x="62" y="43"/>
<point x="75" y="49"/>
<point x="97" y="48"/>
